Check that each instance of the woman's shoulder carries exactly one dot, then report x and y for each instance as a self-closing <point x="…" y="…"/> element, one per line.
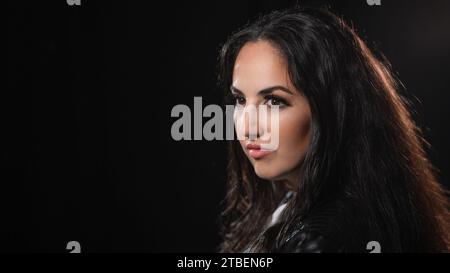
<point x="308" y="240"/>
<point x="315" y="234"/>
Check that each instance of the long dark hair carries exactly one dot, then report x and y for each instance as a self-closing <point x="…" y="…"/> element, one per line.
<point x="365" y="150"/>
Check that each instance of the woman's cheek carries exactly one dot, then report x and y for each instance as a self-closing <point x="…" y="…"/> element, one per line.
<point x="294" y="136"/>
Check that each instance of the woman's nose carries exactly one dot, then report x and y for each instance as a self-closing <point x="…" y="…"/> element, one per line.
<point x="251" y="131"/>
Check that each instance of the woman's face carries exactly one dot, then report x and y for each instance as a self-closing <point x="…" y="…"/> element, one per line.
<point x="258" y="68"/>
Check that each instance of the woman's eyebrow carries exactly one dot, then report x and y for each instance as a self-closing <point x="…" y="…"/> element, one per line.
<point x="271" y="89"/>
<point x="235" y="90"/>
<point x="264" y="91"/>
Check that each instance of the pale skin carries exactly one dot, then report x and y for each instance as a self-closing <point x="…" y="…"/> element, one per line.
<point x="259" y="66"/>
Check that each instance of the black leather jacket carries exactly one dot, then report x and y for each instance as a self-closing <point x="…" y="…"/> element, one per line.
<point x="307" y="238"/>
<point x="316" y="234"/>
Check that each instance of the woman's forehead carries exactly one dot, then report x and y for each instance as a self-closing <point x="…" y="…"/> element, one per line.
<point x="257" y="66"/>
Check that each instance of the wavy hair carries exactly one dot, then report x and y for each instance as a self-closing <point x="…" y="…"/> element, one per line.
<point x="365" y="151"/>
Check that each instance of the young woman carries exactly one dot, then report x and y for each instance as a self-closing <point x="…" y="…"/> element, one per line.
<point x="350" y="167"/>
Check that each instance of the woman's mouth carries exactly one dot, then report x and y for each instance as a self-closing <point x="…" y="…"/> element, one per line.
<point x="255" y="151"/>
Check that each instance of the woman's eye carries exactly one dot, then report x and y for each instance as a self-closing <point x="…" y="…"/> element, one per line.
<point x="275" y="101"/>
<point x="239" y="100"/>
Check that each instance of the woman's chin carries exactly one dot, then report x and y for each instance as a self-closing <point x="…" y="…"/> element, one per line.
<point x="270" y="171"/>
<point x="265" y="172"/>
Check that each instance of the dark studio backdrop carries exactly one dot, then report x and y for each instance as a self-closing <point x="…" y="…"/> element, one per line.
<point x="87" y="153"/>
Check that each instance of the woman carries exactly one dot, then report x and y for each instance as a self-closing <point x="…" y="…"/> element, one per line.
<point x="350" y="167"/>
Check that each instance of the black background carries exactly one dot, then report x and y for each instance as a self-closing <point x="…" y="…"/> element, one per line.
<point x="87" y="153"/>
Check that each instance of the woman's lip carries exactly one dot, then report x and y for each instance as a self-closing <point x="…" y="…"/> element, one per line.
<point x="253" y="146"/>
<point x="258" y="153"/>
<point x="255" y="151"/>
